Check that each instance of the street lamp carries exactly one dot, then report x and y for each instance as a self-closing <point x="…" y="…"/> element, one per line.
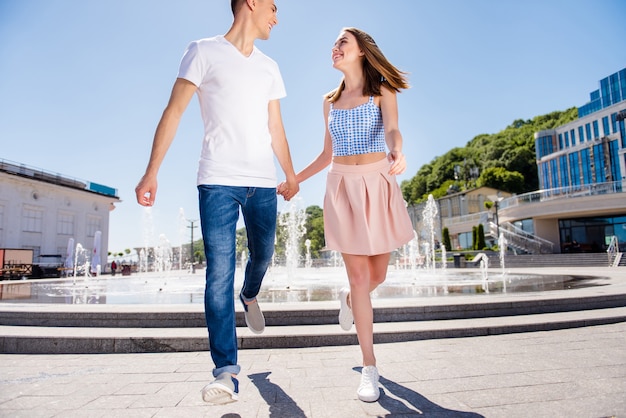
<point x="497" y="219"/>
<point x="193" y="261"/>
<point x="496" y="199"/>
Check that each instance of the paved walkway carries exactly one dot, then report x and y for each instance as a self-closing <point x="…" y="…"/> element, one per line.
<point x="577" y="372"/>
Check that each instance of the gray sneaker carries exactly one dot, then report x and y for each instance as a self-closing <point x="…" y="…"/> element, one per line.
<point x="223" y="390"/>
<point x="254" y="317"/>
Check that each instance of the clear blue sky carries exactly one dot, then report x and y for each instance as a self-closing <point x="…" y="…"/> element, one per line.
<point x="83" y="83"/>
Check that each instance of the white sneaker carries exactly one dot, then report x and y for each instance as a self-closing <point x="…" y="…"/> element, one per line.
<point x="345" y="313"/>
<point x="223" y="390"/>
<point x="368" y="390"/>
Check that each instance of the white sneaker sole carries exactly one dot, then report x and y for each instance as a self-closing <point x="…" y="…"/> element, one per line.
<point x="345" y="313"/>
<point x="218" y="394"/>
<point x="369" y="398"/>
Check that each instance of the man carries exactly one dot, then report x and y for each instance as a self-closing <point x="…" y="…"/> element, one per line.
<point x="238" y="88"/>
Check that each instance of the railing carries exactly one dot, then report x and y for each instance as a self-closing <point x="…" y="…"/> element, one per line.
<point x="613" y="252"/>
<point x="24" y="170"/>
<point x="474" y="218"/>
<point x="563" y="193"/>
<point x="520" y="239"/>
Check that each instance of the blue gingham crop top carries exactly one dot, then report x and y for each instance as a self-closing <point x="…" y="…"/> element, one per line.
<point x="358" y="130"/>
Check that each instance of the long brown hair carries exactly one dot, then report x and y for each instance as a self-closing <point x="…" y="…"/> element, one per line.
<point x="376" y="68"/>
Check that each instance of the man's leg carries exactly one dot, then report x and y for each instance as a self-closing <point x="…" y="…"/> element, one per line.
<point x="219" y="212"/>
<point x="259" y="212"/>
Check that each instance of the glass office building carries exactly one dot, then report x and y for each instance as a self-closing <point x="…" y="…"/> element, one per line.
<point x="591" y="149"/>
<point x="587" y="157"/>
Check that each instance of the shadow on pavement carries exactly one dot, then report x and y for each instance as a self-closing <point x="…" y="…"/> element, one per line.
<point x="281" y="405"/>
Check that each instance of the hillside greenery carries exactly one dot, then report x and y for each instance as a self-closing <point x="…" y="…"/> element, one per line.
<point x="504" y="160"/>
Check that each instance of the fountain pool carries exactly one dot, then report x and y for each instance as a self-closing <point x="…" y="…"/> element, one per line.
<point x="280" y="285"/>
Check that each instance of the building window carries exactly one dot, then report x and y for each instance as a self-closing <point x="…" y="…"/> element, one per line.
<point x="93" y="224"/>
<point x="581" y="136"/>
<point x="563" y="171"/>
<point x="544" y="147"/>
<point x="65" y="224"/>
<point x="616" y="172"/>
<point x="574" y="170"/>
<point x="588" y="131"/>
<point x="465" y="240"/>
<point x="572" y="134"/>
<point x="32" y="220"/>
<point x="616" y="95"/>
<point x="596" y="130"/>
<point x="545" y="179"/>
<point x="591" y="234"/>
<point x="567" y="139"/>
<point x="585" y="161"/>
<point x="560" y="141"/>
<point x="598" y="161"/>
<point x="622" y="80"/>
<point x="605" y="126"/>
<point x="554" y="175"/>
<point x="526" y="225"/>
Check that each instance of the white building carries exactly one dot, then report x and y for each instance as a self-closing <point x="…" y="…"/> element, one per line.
<point x="42" y="211"/>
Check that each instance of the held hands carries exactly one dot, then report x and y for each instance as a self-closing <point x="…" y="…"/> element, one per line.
<point x="398" y="162"/>
<point x="288" y="189"/>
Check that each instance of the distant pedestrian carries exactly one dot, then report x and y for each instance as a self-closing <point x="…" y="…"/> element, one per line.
<point x="113" y="267"/>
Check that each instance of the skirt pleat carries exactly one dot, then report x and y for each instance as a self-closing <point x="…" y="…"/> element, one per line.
<point x="364" y="211"/>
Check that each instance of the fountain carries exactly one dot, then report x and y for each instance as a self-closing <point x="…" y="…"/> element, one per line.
<point x="307" y="260"/>
<point x="158" y="283"/>
<point x="293" y="218"/>
<point x="429" y="214"/>
<point x="502" y="247"/>
<point x="182" y="235"/>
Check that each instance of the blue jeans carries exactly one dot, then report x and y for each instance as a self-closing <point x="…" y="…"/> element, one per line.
<point x="219" y="213"/>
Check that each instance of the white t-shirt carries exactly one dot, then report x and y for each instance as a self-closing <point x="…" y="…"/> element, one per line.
<point x="234" y="92"/>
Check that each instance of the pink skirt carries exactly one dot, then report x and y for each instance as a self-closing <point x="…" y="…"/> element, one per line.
<point x="364" y="211"/>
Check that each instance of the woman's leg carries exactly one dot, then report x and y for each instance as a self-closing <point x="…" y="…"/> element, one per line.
<point x="378" y="269"/>
<point x="365" y="273"/>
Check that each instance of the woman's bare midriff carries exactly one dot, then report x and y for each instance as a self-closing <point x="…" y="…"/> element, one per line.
<point x="360" y="159"/>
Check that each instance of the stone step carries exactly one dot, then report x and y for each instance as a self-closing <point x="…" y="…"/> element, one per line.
<point x="309" y="313"/>
<point x="81" y="340"/>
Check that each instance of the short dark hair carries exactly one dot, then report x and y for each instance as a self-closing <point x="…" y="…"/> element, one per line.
<point x="235" y="5"/>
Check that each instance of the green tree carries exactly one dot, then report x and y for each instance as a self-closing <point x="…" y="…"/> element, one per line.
<point x="446" y="239"/>
<point x="501" y="179"/>
<point x="474" y="238"/>
<point x="481" y="245"/>
<point x="241" y="242"/>
<point x="314" y="230"/>
<point x="198" y="248"/>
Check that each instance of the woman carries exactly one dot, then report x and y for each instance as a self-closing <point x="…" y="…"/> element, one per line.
<point x="365" y="217"/>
